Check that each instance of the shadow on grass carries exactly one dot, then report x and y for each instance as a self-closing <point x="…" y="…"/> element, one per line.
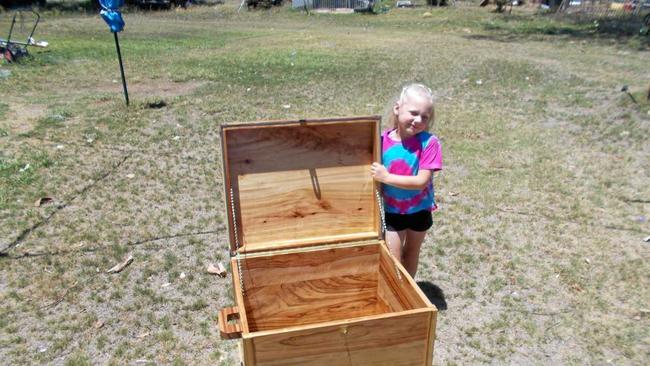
<point x="581" y="27"/>
<point x="434" y="294"/>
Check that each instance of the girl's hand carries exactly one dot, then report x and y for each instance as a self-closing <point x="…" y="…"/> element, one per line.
<point x="379" y="172"/>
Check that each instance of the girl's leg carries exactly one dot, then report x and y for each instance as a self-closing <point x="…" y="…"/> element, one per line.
<point x="411" y="253"/>
<point x="395" y="240"/>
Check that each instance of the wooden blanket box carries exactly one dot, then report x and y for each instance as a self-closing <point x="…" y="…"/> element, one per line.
<point x="313" y="280"/>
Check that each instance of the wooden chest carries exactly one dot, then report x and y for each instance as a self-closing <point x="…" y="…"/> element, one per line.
<point x="313" y="280"/>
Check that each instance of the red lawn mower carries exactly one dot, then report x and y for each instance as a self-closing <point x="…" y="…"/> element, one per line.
<point x="10" y="49"/>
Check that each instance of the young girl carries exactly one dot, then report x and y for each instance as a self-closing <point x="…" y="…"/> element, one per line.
<point x="411" y="155"/>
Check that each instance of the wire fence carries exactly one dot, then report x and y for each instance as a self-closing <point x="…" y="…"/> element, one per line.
<point x="336" y="4"/>
<point x="598" y="8"/>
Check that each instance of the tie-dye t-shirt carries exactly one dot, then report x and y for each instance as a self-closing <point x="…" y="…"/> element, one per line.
<point x="407" y="157"/>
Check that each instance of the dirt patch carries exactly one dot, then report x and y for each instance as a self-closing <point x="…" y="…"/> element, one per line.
<point x="22" y="118"/>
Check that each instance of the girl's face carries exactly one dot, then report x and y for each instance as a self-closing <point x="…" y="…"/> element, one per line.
<point x="413" y="115"/>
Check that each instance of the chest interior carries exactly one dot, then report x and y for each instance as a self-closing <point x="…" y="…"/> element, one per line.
<point x="296" y="288"/>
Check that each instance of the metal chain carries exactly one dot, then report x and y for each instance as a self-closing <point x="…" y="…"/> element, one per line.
<point x="235" y="232"/>
<point x="382" y="214"/>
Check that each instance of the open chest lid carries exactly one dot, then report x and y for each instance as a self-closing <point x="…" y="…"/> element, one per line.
<point x="300" y="183"/>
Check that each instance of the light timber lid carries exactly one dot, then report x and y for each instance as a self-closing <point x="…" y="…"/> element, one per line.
<point x="300" y="183"/>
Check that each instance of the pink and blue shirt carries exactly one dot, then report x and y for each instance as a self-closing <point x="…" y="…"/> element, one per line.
<point x="407" y="157"/>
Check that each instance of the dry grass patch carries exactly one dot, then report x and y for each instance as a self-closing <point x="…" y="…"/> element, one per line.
<point x="544" y="198"/>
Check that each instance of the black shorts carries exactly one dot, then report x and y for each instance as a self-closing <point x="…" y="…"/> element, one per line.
<point x="419" y="221"/>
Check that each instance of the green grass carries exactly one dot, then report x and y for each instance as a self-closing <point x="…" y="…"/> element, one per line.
<point x="20" y="172"/>
<point x="4" y="108"/>
<point x="537" y="245"/>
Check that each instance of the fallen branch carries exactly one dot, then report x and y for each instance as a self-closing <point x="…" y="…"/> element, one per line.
<point x="95" y="249"/>
<point x="552" y="326"/>
<point x="55" y="303"/>
<point x="542" y="313"/>
<point x="120" y="266"/>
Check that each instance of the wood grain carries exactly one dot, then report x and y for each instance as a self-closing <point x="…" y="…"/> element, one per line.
<point x="286" y="147"/>
<point x="314" y="301"/>
<point x="296" y="266"/>
<point x="239" y="296"/>
<point x="394" y="341"/>
<point x="300" y="181"/>
<point x="304" y="204"/>
<point x="298" y="288"/>
<point x="389" y="295"/>
<point x="433" y="317"/>
<point x="339" y="305"/>
<point x="248" y="349"/>
<point x="227" y="329"/>
<point x="402" y="287"/>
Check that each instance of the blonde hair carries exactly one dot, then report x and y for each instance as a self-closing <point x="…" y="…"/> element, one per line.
<point x="408" y="91"/>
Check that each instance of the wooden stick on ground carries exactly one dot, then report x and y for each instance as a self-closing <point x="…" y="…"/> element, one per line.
<point x="120" y="266"/>
<point x="55" y="303"/>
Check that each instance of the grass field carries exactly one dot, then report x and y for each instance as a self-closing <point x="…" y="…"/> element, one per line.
<point x="545" y="196"/>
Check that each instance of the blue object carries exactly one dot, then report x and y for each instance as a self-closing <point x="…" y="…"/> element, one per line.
<point x="111" y="4"/>
<point x="113" y="19"/>
<point x="111" y="14"/>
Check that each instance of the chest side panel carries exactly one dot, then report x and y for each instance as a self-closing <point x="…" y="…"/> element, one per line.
<point x="392" y="341"/>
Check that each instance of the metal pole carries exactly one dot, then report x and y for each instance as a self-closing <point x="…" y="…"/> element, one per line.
<point x="11" y="29"/>
<point x="119" y="56"/>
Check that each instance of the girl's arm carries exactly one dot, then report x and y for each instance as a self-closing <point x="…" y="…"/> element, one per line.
<point x="420" y="181"/>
